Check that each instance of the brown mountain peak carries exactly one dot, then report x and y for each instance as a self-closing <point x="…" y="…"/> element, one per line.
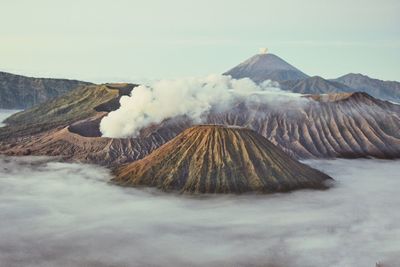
<point x="220" y="159"/>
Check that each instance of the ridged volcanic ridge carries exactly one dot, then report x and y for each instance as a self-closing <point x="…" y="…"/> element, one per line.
<point x="220" y="159"/>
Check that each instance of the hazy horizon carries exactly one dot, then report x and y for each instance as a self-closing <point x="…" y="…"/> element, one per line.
<point x="139" y="40"/>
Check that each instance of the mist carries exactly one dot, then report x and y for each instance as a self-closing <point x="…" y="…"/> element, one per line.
<point x="5" y="113"/>
<point x="192" y="97"/>
<point x="62" y="214"/>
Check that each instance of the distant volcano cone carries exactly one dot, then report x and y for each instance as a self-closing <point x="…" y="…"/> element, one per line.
<point x="219" y="159"/>
<point x="263" y="67"/>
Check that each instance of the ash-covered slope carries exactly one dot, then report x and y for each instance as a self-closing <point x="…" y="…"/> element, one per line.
<point x="315" y="85"/>
<point x="389" y="90"/>
<point x="21" y="92"/>
<point x="348" y="125"/>
<point x="220" y="159"/>
<point x="263" y="67"/>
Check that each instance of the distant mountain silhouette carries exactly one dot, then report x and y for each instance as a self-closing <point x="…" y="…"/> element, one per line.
<point x="389" y="90"/>
<point x="21" y="92"/>
<point x="263" y="67"/>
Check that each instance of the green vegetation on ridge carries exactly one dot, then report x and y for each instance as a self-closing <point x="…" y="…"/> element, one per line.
<point x="76" y="105"/>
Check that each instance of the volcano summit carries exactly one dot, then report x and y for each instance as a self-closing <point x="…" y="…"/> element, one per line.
<point x="220" y="159"/>
<point x="262" y="67"/>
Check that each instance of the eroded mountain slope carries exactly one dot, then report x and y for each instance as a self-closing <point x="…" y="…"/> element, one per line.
<point x="220" y="159"/>
<point x="80" y="103"/>
<point x="336" y="125"/>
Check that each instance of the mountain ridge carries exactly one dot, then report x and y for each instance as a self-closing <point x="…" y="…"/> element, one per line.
<point x="314" y="85"/>
<point x="78" y="104"/>
<point x="389" y="90"/>
<point x="20" y="92"/>
<point x="262" y="67"/>
<point x="346" y="125"/>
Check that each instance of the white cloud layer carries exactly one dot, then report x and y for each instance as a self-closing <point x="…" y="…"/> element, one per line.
<point x="5" y="113"/>
<point x="57" y="214"/>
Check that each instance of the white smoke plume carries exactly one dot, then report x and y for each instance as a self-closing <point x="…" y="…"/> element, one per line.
<point x="192" y="97"/>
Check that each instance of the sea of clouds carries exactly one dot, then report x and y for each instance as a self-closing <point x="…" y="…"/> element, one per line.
<point x="60" y="214"/>
<point x="5" y="113"/>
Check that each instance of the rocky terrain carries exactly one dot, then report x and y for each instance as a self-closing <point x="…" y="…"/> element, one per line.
<point x="262" y="67"/>
<point x="389" y="90"/>
<point x="348" y="125"/>
<point x="80" y="103"/>
<point x="21" y="92"/>
<point x="220" y="159"/>
<point x="314" y="85"/>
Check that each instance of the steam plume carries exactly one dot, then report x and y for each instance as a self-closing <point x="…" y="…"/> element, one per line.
<point x="192" y="97"/>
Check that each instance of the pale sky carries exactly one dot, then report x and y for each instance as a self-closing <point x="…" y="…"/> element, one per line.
<point x="123" y="40"/>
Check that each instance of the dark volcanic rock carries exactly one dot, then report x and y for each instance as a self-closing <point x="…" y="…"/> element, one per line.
<point x="220" y="159"/>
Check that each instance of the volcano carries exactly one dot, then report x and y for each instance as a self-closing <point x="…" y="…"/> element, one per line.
<point x="220" y="159"/>
<point x="262" y="67"/>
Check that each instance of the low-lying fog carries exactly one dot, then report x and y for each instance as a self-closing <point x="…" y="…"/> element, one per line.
<point x="4" y="113"/>
<point x="59" y="214"/>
